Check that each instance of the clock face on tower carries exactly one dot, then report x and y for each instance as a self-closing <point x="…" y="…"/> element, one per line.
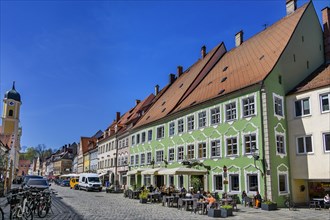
<point x="11" y="103"/>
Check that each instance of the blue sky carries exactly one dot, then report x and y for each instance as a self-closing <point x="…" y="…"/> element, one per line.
<point x="76" y="63"/>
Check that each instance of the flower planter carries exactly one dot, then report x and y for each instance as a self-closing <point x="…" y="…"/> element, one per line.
<point x="215" y="213"/>
<point x="226" y="212"/>
<point x="143" y="200"/>
<point x="268" y="207"/>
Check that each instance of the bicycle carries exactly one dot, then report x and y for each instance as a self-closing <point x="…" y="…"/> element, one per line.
<point x="289" y="203"/>
<point x="45" y="204"/>
<point x="18" y="206"/>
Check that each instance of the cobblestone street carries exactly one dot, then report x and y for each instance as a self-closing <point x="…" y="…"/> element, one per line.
<point x="101" y="205"/>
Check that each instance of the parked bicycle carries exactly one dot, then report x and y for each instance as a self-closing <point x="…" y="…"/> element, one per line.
<point x="289" y="203"/>
<point x="18" y="206"/>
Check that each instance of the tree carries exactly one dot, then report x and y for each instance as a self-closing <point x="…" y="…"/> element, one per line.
<point x="40" y="151"/>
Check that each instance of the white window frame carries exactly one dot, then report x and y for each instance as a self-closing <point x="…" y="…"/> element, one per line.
<point x="216" y="146"/>
<point x="143" y="137"/>
<point x="204" y="148"/>
<point x="286" y="175"/>
<point x="251" y="147"/>
<point x="179" y="125"/>
<point x="156" y="156"/>
<point x="277" y="107"/>
<point x="137" y="159"/>
<point x="190" y="122"/>
<point x="221" y="188"/>
<point x="132" y="162"/>
<point x="189" y="155"/>
<point x="324" y="142"/>
<point x="202" y="119"/>
<point x="162" y="133"/>
<point x="178" y="153"/>
<point x="133" y="140"/>
<point x="237" y="146"/>
<point x="171" y="128"/>
<point x="215" y="118"/>
<point x="230" y="110"/>
<point x="321" y="104"/>
<point x="142" y="162"/>
<point x="230" y="175"/>
<point x="284" y="143"/>
<point x="301" y="102"/>
<point x="169" y="154"/>
<point x="304" y="138"/>
<point x="149" y="136"/>
<point x="248" y="183"/>
<point x="249" y="105"/>
<point x="148" y="159"/>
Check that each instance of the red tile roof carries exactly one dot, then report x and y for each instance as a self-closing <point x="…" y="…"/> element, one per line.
<point x="318" y="79"/>
<point x="247" y="64"/>
<point x="182" y="86"/>
<point x="5" y="140"/>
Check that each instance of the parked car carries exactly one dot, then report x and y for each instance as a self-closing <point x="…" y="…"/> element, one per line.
<point x="39" y="184"/>
<point x="74" y="181"/>
<point x="58" y="181"/>
<point x="28" y="177"/>
<point x="65" y="183"/>
<point x="90" y="181"/>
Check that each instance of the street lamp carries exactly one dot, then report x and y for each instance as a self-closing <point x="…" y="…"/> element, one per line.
<point x="256" y="158"/>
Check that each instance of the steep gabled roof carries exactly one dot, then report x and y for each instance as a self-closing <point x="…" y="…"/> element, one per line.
<point x="179" y="88"/>
<point x="318" y="79"/>
<point x="247" y="64"/>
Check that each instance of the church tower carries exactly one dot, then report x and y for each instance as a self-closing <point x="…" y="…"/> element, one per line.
<point x="11" y="111"/>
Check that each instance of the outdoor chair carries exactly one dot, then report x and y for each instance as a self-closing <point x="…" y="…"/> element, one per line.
<point x="174" y="202"/>
<point x="130" y="194"/>
<point x="164" y="200"/>
<point x="196" y="207"/>
<point x="326" y="205"/>
<point x="180" y="203"/>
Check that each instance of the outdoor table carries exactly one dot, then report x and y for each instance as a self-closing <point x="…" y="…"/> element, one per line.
<point x="316" y="203"/>
<point x="186" y="202"/>
<point x="153" y="196"/>
<point x="169" y="199"/>
<point x="228" y="201"/>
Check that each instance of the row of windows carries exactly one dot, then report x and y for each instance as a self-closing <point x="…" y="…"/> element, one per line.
<point x="199" y="151"/>
<point x="305" y="143"/>
<point x="303" y="107"/>
<point x="122" y="161"/>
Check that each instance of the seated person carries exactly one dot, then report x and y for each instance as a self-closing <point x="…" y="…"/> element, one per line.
<point x="257" y="200"/>
<point x="198" y="195"/>
<point x="188" y="194"/>
<point x="244" y="195"/>
<point x="210" y="200"/>
<point x="327" y="199"/>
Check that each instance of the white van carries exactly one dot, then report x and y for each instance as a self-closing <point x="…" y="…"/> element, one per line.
<point x="89" y="181"/>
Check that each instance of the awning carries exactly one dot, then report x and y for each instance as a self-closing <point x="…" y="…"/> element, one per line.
<point x="70" y="175"/>
<point x="137" y="171"/>
<point x="102" y="174"/>
<point x="182" y="171"/>
<point x="153" y="171"/>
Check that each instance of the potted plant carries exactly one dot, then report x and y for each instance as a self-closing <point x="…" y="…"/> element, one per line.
<point x="215" y="213"/>
<point x="144" y="196"/>
<point x="226" y="210"/>
<point x="269" y="205"/>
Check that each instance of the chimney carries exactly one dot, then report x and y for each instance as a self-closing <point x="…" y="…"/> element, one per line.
<point x="238" y="38"/>
<point x="137" y="101"/>
<point x="117" y="116"/>
<point x="326" y="34"/>
<point x="291" y="6"/>
<point x="203" y="51"/>
<point x="179" y="71"/>
<point x="156" y="90"/>
<point x="171" y="78"/>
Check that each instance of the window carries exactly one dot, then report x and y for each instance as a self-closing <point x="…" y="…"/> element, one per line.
<point x="215" y="148"/>
<point x="231" y="111"/>
<point x="171" y="154"/>
<point x="11" y="113"/>
<point x="248" y="106"/>
<point x="233" y="182"/>
<point x="148" y="157"/>
<point x="133" y="140"/>
<point x="231" y="145"/>
<point x="302" y="107"/>
<point x="190" y="152"/>
<point x="143" y="137"/>
<point x="202" y="119"/>
<point x="180" y="153"/>
<point x="215" y="116"/>
<point x="159" y="156"/>
<point x="181" y="181"/>
<point x="137" y="159"/>
<point x="137" y="138"/>
<point x="160" y="132"/>
<point x="132" y="160"/>
<point x="280" y="144"/>
<point x="278" y="102"/>
<point x="325" y="102"/>
<point x="250" y="143"/>
<point x="190" y="121"/>
<point x="143" y="159"/>
<point x="201" y="150"/>
<point x="171" y="180"/>
<point x="180" y="126"/>
<point x="218" y="182"/>
<point x="283" y="183"/>
<point x="149" y="135"/>
<point x="304" y="144"/>
<point x="326" y="142"/>
<point x="172" y="128"/>
<point x="147" y="180"/>
<point x="252" y="185"/>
